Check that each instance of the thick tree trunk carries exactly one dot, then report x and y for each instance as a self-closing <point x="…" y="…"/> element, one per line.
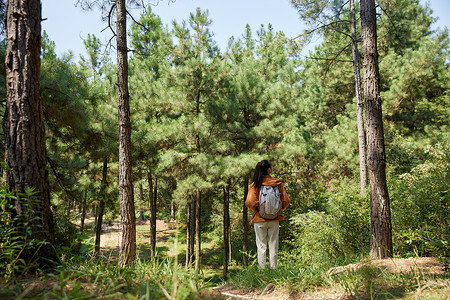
<point x="25" y="132"/>
<point x="101" y="207"/>
<point x="381" y="232"/>
<point x="128" y="247"/>
<point x="226" y="231"/>
<point x="245" y="226"/>
<point x="359" y="103"/>
<point x="198" y="230"/>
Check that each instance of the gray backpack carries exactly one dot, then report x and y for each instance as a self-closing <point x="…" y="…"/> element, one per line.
<point x="269" y="202"/>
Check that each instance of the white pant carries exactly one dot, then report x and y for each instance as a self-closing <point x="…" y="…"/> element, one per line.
<point x="267" y="233"/>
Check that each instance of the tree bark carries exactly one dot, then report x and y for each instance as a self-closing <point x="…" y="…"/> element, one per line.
<point x="153" y="220"/>
<point x="192" y="230"/>
<point x="198" y="230"/>
<point x="226" y="227"/>
<point x="83" y="217"/>
<point x="141" y="200"/>
<point x="380" y="215"/>
<point x="25" y="132"/>
<point x="128" y="246"/>
<point x="83" y="211"/>
<point x="188" y="235"/>
<point x="101" y="207"/>
<point x="152" y="213"/>
<point x="245" y="225"/>
<point x="359" y="103"/>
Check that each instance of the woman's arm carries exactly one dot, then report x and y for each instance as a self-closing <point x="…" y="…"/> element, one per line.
<point x="284" y="197"/>
<point x="252" y="201"/>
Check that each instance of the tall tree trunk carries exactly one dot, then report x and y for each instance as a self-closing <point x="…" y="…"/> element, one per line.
<point x="192" y="230"/>
<point x="359" y="103"/>
<point x="226" y="226"/>
<point x="128" y="247"/>
<point x="188" y="234"/>
<point x="152" y="214"/>
<point x="83" y="217"/>
<point x="380" y="211"/>
<point x="141" y="200"/>
<point x="83" y="211"/>
<point x="101" y="207"/>
<point x="25" y="132"/>
<point x="198" y="230"/>
<point x="153" y="220"/>
<point x="245" y="225"/>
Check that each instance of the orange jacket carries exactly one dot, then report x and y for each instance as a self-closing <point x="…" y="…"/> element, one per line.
<point x="252" y="201"/>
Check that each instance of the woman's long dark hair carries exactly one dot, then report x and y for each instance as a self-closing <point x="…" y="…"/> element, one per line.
<point x="260" y="171"/>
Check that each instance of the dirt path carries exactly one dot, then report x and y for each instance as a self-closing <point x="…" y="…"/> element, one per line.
<point x="111" y="238"/>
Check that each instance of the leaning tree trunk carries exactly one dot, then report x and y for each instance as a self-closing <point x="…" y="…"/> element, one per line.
<point x="25" y="132"/>
<point x="101" y="206"/>
<point x="359" y="103"/>
<point x="245" y="225"/>
<point x="128" y="247"/>
<point x="380" y="215"/>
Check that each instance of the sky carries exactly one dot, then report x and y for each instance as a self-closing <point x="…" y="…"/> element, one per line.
<point x="68" y="25"/>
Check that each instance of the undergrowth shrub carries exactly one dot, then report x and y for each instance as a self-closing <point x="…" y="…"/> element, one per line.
<point x="340" y="232"/>
<point x="16" y="235"/>
<point x="421" y="206"/>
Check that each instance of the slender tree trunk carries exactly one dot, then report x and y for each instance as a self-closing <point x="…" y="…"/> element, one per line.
<point x="381" y="232"/>
<point x="152" y="214"/>
<point x="141" y="200"/>
<point x="128" y="247"/>
<point x="198" y="230"/>
<point x="83" y="217"/>
<point x="229" y="225"/>
<point x="359" y="103"/>
<point x="188" y="235"/>
<point x="101" y="207"/>
<point x="226" y="225"/>
<point x="245" y="225"/>
<point x="172" y="209"/>
<point x="83" y="211"/>
<point x="25" y="132"/>
<point x="153" y="220"/>
<point x="192" y="230"/>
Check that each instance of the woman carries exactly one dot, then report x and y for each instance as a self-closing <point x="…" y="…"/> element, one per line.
<point x="266" y="231"/>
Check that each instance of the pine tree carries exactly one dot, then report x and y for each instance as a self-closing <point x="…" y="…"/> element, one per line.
<point x="25" y="131"/>
<point x="381" y="228"/>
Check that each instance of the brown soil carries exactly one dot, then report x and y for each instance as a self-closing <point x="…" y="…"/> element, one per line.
<point x="423" y="265"/>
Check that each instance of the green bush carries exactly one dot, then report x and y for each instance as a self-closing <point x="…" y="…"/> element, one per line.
<point x="16" y="235"/>
<point x="421" y="207"/>
<point x="340" y="232"/>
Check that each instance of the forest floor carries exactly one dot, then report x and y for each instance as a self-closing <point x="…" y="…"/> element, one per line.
<point x="417" y="266"/>
<point x="412" y="278"/>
